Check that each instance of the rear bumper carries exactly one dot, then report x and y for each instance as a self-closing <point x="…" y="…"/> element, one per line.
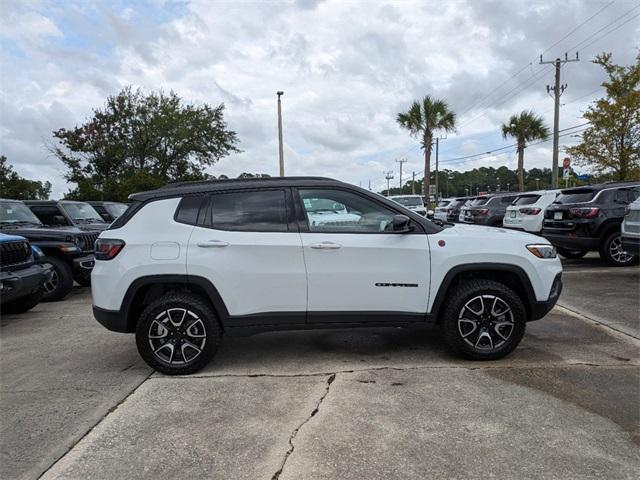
<point x="111" y="319"/>
<point x="22" y="283"/>
<point x="540" y="309"/>
<point x="631" y="244"/>
<point x="569" y="241"/>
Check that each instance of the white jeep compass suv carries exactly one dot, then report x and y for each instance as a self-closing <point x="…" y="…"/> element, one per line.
<point x="192" y="261"/>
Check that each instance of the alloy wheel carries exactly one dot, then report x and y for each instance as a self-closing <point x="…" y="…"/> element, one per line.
<point x="618" y="253"/>
<point x="53" y="282"/>
<point x="486" y="322"/>
<point x="177" y="336"/>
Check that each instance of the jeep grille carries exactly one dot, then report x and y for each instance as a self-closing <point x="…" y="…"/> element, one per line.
<point x="86" y="241"/>
<point x="14" y="253"/>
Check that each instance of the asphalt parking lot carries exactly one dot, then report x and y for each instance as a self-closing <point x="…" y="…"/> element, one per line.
<point x="77" y="402"/>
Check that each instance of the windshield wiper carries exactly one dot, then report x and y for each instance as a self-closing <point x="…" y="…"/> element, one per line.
<point x="19" y="222"/>
<point x="88" y="220"/>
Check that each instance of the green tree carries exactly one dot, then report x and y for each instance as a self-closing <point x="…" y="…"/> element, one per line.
<point x="14" y="186"/>
<point x="611" y="143"/>
<point x="423" y="120"/>
<point x="524" y="127"/>
<point x="139" y="141"/>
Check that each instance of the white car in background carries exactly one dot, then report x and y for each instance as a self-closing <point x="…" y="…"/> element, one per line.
<point x="440" y="212"/>
<point x="415" y="203"/>
<point x="526" y="212"/>
<point x="630" y="238"/>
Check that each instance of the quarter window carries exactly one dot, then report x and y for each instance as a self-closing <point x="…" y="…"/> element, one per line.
<point x="255" y="211"/>
<point x="337" y="211"/>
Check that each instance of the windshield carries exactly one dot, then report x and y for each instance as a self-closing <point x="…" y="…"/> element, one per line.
<point x="14" y="212"/>
<point x="479" y="201"/>
<point x="575" y="196"/>
<point x="409" y="201"/>
<point x="81" y="211"/>
<point x="526" y="200"/>
<point x="115" y="209"/>
<point x="444" y="203"/>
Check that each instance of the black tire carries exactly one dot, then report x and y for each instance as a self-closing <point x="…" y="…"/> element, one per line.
<point x="466" y="294"/>
<point x="154" y="319"/>
<point x="22" y="304"/>
<point x="612" y="253"/>
<point x="61" y="282"/>
<point x="571" y="254"/>
<point x="83" y="280"/>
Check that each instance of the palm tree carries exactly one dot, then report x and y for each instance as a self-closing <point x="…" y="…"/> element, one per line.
<point x="525" y="127"/>
<point x="424" y="119"/>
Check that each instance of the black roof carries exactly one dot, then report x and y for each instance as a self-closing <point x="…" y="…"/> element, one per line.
<point x="602" y="186"/>
<point x="186" y="188"/>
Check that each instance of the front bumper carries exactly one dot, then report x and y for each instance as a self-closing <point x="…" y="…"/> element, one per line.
<point x="84" y="265"/>
<point x="631" y="245"/>
<point x="17" y="284"/>
<point x="540" y="309"/>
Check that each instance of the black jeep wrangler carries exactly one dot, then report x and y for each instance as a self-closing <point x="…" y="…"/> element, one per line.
<point x="68" y="249"/>
<point x="109" y="211"/>
<point x="584" y="219"/>
<point x="22" y="277"/>
<point x="67" y="213"/>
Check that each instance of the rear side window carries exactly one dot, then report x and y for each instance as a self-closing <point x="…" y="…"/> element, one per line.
<point x="479" y="201"/>
<point x="576" y="196"/>
<point x="255" y="211"/>
<point x="526" y="200"/>
<point x="188" y="210"/>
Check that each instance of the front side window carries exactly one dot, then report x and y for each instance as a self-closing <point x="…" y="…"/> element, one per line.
<point x="255" y="211"/>
<point x="337" y="211"/>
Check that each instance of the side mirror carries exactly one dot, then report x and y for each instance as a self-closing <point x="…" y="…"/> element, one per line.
<point x="401" y="224"/>
<point x="59" y="220"/>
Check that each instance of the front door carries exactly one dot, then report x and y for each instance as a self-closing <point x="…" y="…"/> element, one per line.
<point x="355" y="262"/>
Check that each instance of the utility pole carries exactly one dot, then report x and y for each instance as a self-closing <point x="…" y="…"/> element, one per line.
<point x="281" y="148"/>
<point x="557" y="90"/>
<point x="369" y="184"/>
<point x="401" y="161"/>
<point x="413" y="183"/>
<point x="437" y="148"/>
<point x="389" y="176"/>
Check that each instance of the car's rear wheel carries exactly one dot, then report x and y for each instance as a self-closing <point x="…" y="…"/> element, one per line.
<point x="483" y="320"/>
<point x="178" y="334"/>
<point x="60" y="282"/>
<point x="612" y="252"/>
<point x="571" y="254"/>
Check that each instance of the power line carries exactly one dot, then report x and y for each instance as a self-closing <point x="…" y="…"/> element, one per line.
<point x="609" y="32"/>
<point x="576" y="28"/>
<point x="577" y="45"/>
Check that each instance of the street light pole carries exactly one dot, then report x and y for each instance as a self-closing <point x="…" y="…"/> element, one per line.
<point x="280" y="146"/>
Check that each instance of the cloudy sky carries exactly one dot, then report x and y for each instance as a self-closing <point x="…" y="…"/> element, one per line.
<point x="347" y="69"/>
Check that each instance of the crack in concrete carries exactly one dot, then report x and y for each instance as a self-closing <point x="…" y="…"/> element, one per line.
<point x="615" y="331"/>
<point x="292" y="437"/>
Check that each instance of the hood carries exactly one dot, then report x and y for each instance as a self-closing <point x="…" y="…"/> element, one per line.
<point x="92" y="227"/>
<point x="4" y="238"/>
<point x="481" y="233"/>
<point x="42" y="232"/>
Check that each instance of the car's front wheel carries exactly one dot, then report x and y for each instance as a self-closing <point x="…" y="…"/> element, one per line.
<point x="483" y="320"/>
<point x="60" y="282"/>
<point x="178" y="334"/>
<point x="612" y="252"/>
<point x="571" y="254"/>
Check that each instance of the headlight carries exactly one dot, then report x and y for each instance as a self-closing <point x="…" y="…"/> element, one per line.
<point x="81" y="243"/>
<point x="542" y="250"/>
<point x="37" y="252"/>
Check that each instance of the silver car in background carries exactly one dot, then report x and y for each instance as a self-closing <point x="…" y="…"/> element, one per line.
<point x="630" y="231"/>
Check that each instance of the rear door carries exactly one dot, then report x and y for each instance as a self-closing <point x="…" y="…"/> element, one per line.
<point x="355" y="263"/>
<point x="246" y="245"/>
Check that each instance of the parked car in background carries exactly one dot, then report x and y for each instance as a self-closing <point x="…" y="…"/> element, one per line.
<point x="465" y="207"/>
<point x="67" y="213"/>
<point x="414" y="203"/>
<point x="631" y="228"/>
<point x="189" y="263"/>
<point x="68" y="249"/>
<point x="488" y="210"/>
<point x="22" y="277"/>
<point x="583" y="219"/>
<point x="109" y="211"/>
<point x="526" y="212"/>
<point x="453" y="209"/>
<point x="440" y="212"/>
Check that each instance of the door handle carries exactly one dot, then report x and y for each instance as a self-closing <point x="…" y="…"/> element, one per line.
<point x="213" y="244"/>
<point x="325" y="246"/>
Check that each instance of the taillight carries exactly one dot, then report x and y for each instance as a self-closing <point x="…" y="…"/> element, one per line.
<point x="530" y="211"/>
<point x="584" y="212"/>
<point x="482" y="211"/>
<point x="107" y="248"/>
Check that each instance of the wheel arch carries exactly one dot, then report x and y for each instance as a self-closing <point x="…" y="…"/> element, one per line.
<point x="512" y="276"/>
<point x="144" y="289"/>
